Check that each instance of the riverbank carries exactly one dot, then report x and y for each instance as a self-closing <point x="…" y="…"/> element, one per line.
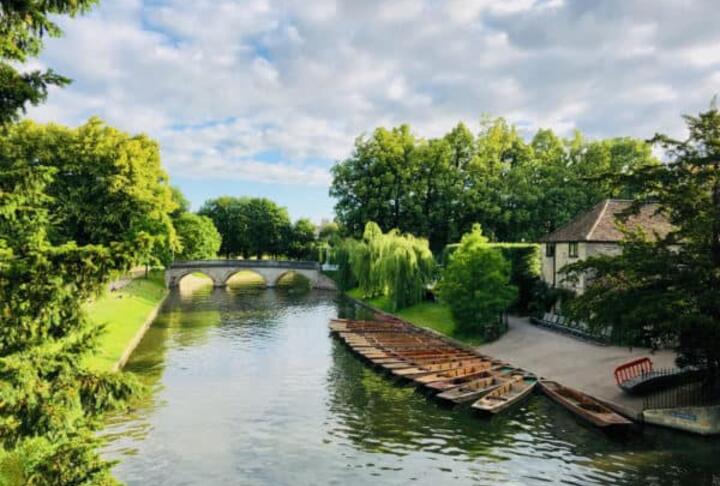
<point x="579" y="364"/>
<point x="429" y="315"/>
<point x="126" y="313"/>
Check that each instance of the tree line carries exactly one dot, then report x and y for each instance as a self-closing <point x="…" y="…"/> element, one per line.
<point x="255" y="227"/>
<point x="517" y="190"/>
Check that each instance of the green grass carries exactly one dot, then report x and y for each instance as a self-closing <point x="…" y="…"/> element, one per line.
<point x="123" y="312"/>
<point x="431" y="315"/>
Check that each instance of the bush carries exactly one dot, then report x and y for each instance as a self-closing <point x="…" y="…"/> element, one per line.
<point x="476" y="283"/>
<point x="525" y="268"/>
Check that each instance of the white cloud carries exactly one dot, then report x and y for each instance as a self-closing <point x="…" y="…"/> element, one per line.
<point x="274" y="91"/>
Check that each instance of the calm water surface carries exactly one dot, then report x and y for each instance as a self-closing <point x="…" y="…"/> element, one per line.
<point x="249" y="388"/>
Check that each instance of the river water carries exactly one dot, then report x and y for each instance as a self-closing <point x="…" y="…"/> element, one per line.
<point x="248" y="387"/>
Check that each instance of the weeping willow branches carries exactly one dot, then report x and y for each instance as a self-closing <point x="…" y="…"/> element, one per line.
<point x="392" y="264"/>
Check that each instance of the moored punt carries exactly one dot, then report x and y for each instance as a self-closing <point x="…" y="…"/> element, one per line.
<point x="505" y="395"/>
<point x="477" y="387"/>
<point x="501" y="371"/>
<point x="345" y="325"/>
<point x="426" y="378"/>
<point x="422" y="360"/>
<point x="412" y="371"/>
<point x="583" y="405"/>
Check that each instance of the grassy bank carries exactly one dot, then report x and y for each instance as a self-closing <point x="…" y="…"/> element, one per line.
<point x="431" y="315"/>
<point x="123" y="312"/>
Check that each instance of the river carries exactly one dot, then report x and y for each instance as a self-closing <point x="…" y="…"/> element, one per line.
<point x="248" y="387"/>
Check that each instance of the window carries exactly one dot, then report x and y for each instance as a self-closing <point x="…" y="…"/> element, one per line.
<point x="549" y="249"/>
<point x="573" y="249"/>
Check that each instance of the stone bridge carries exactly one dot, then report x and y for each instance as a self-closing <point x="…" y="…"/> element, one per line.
<point x="270" y="270"/>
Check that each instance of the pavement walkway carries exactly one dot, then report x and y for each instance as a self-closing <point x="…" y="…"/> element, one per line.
<point x="585" y="366"/>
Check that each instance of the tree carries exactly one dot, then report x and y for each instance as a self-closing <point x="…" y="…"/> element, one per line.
<point x="249" y="226"/>
<point x="302" y="243"/>
<point x="375" y="183"/>
<point x="50" y="403"/>
<point x="439" y="188"/>
<point x="23" y="25"/>
<point x="108" y="186"/>
<point x="664" y="287"/>
<point x="182" y="205"/>
<point x="396" y="265"/>
<point x="329" y="233"/>
<point x="199" y="238"/>
<point x="476" y="284"/>
<point x="230" y="217"/>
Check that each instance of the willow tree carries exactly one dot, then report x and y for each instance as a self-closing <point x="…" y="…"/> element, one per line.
<point x="405" y="267"/>
<point x="392" y="264"/>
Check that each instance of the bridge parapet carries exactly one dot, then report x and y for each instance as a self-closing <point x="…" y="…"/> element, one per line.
<point x="221" y="270"/>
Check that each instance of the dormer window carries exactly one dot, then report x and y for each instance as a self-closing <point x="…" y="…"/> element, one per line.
<point x="573" y="249"/>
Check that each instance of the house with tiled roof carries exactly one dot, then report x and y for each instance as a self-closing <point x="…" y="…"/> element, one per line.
<point x="596" y="232"/>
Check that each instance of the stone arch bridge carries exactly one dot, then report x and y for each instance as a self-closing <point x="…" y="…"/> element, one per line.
<point x="271" y="271"/>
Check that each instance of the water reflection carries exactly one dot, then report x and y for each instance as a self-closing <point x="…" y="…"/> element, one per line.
<point x="248" y="387"/>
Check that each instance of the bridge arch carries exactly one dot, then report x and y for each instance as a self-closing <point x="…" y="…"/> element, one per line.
<point x="228" y="276"/>
<point x="177" y="278"/>
<point x="293" y="272"/>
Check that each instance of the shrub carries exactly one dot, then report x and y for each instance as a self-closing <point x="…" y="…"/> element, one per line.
<point x="476" y="283"/>
<point x="525" y="268"/>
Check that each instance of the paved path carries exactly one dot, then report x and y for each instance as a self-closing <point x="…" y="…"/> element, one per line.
<point x="587" y="367"/>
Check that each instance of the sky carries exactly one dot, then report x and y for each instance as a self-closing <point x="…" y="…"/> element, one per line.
<point x="262" y="97"/>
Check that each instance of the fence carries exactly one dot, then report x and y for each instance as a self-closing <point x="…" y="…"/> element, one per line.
<point x="693" y="388"/>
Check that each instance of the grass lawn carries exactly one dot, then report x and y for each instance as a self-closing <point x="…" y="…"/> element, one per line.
<point x="123" y="312"/>
<point x="432" y="315"/>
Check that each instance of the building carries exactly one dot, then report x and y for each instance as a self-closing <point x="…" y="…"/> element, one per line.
<point x="595" y="232"/>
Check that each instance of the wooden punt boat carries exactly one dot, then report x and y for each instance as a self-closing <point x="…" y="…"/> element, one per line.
<point x="498" y="369"/>
<point x="477" y="387"/>
<point x="431" y="368"/>
<point x="506" y="395"/>
<point x="408" y="361"/>
<point x="423" y="359"/>
<point x="426" y="378"/>
<point x="584" y="406"/>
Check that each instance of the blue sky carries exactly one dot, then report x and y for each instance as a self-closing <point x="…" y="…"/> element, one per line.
<point x="260" y="97"/>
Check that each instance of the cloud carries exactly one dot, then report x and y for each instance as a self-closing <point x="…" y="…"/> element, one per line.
<point x="275" y="91"/>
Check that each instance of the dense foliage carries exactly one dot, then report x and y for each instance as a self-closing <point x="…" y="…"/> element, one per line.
<point x="49" y="402"/>
<point x="23" y="25"/>
<point x="525" y="268"/>
<point x="76" y="205"/>
<point x="666" y="288"/>
<point x="258" y="227"/>
<point x="198" y="236"/>
<point x="107" y="186"/>
<point x="476" y="284"/>
<point x="517" y="191"/>
<point x="392" y="264"/>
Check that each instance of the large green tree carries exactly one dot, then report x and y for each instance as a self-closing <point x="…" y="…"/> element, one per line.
<point x="439" y="188"/>
<point x="666" y="286"/>
<point x="250" y="226"/>
<point x="476" y="284"/>
<point x="50" y="403"/>
<point x="375" y="183"/>
<point x="198" y="236"/>
<point x="303" y="244"/>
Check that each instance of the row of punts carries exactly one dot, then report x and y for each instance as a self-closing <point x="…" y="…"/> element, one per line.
<point x="457" y="375"/>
